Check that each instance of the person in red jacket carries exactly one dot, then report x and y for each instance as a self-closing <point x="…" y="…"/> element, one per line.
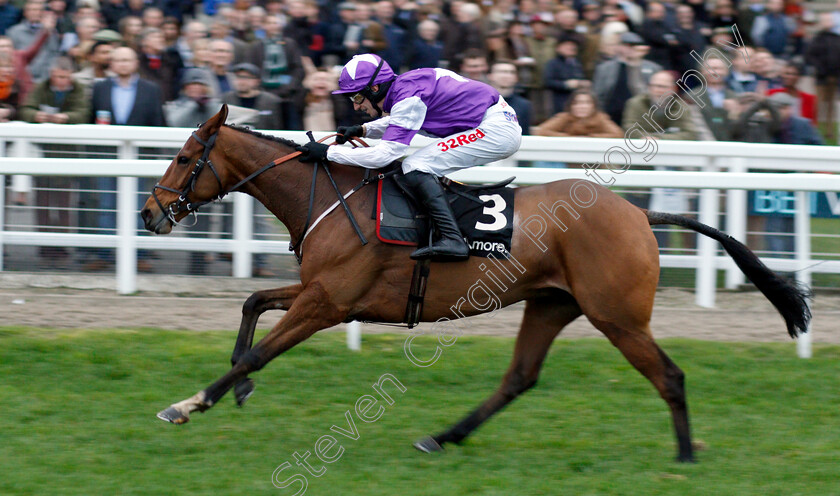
<point x="790" y="80"/>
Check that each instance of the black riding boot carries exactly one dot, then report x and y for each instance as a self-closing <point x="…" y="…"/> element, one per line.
<point x="451" y="245"/>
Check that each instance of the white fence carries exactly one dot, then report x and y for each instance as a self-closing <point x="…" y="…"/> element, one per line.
<point x="716" y="166"/>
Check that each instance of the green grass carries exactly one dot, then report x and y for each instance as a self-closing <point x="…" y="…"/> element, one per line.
<point x="78" y="417"/>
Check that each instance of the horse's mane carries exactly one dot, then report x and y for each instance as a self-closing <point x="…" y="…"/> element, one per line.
<point x="276" y="139"/>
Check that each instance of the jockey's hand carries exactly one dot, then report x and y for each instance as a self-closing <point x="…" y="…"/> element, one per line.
<point x="313" y="152"/>
<point x="347" y="132"/>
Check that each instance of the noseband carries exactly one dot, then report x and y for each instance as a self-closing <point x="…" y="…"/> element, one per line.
<point x="182" y="204"/>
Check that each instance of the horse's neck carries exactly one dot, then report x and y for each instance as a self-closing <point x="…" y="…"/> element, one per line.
<point x="285" y="188"/>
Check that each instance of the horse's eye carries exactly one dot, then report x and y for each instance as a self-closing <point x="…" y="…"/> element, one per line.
<point x="183" y="160"/>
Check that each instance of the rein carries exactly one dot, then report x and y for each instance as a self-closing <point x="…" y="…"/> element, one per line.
<point x="182" y="204"/>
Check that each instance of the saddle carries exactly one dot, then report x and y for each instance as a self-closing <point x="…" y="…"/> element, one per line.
<point x="484" y="214"/>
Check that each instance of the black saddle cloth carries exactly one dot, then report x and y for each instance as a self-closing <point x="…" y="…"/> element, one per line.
<point x="484" y="213"/>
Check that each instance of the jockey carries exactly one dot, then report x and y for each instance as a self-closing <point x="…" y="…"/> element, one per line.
<point x="472" y="121"/>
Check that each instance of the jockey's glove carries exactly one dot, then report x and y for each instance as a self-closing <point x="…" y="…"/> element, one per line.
<point x="313" y="152"/>
<point x="347" y="132"/>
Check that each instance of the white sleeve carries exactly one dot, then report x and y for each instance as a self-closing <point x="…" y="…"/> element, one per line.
<point x="375" y="129"/>
<point x="374" y="157"/>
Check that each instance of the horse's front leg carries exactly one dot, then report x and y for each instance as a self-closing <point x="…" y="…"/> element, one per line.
<point x="256" y="305"/>
<point x="312" y="311"/>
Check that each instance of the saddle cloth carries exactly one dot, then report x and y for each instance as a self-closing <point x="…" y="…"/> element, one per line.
<point x="484" y="213"/>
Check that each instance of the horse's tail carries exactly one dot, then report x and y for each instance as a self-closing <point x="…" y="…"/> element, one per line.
<point x="789" y="298"/>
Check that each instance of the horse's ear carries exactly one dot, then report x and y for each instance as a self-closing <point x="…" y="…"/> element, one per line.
<point x="214" y="123"/>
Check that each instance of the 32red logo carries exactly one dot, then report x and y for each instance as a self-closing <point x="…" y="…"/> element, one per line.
<point x="459" y="140"/>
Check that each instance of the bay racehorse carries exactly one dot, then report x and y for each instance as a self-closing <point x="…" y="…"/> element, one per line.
<point x="593" y="254"/>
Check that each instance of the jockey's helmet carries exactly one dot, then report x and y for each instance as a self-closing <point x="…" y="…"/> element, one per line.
<point x="363" y="72"/>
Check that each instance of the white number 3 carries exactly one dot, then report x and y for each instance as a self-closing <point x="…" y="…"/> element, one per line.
<point x="499" y="220"/>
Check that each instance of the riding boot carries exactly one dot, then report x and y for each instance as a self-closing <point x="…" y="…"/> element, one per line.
<point x="451" y="245"/>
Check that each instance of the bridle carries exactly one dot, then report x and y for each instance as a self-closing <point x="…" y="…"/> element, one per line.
<point x="182" y="204"/>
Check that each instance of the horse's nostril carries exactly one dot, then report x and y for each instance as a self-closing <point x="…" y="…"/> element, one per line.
<point x="145" y="214"/>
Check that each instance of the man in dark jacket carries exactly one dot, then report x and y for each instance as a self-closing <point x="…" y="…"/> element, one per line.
<point x="824" y="55"/>
<point x="564" y="73"/>
<point x="247" y="93"/>
<point x="123" y="100"/>
<point x="660" y="36"/>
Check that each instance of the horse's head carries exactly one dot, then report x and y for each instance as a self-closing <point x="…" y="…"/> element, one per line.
<point x="192" y="180"/>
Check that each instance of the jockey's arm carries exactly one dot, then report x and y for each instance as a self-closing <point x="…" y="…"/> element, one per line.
<point x="397" y="129"/>
<point x="374" y="157"/>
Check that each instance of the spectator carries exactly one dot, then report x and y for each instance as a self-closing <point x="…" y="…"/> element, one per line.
<point x="503" y="77"/>
<point x="591" y="29"/>
<point x="773" y="29"/>
<point x="758" y="121"/>
<point x="256" y="17"/>
<point x="341" y="39"/>
<point x="806" y="102"/>
<point x="824" y="55"/>
<point x="724" y="15"/>
<point x="396" y="36"/>
<point x="220" y="29"/>
<point x="221" y="59"/>
<point x="247" y="93"/>
<point x="58" y="100"/>
<point x="718" y="103"/>
<point x="193" y="30"/>
<point x="159" y="63"/>
<point x="152" y="17"/>
<point x="766" y="70"/>
<point x="582" y="117"/>
<point x="564" y="73"/>
<point x="63" y="20"/>
<point x="427" y="49"/>
<point x="22" y="58"/>
<point x="9" y="89"/>
<point x="619" y="79"/>
<point x="9" y="15"/>
<point x="542" y="49"/>
<point x="97" y="65"/>
<point x="748" y="12"/>
<point x="742" y="79"/>
<point x="77" y="43"/>
<point x="113" y="11"/>
<point x="660" y="36"/>
<point x="125" y="100"/>
<point x="793" y="130"/>
<point x="171" y="28"/>
<point x="690" y="37"/>
<point x="281" y="65"/>
<point x="648" y="111"/>
<point x="130" y="28"/>
<point x="372" y="35"/>
<point x="463" y="32"/>
<point x="27" y="32"/>
<point x="474" y="65"/>
<point x="195" y="104"/>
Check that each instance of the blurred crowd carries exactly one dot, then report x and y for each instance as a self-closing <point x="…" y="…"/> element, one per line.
<point x="692" y="70"/>
<point x="569" y="67"/>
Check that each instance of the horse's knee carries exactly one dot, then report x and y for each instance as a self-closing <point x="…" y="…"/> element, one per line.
<point x="250" y="361"/>
<point x="516" y="383"/>
<point x="252" y="304"/>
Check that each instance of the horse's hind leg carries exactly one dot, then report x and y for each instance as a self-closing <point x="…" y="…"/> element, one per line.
<point x="257" y="304"/>
<point x="543" y="320"/>
<point x="643" y="353"/>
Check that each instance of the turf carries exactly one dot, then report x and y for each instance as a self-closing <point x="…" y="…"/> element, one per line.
<point x="78" y="417"/>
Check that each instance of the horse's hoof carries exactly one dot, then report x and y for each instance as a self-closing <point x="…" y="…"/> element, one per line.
<point x="174" y="416"/>
<point x="428" y="445"/>
<point x="243" y="390"/>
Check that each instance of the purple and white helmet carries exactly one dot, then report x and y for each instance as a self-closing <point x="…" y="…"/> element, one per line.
<point x="358" y="74"/>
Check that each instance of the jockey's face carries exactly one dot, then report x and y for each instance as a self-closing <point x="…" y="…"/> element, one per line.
<point x="366" y="106"/>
